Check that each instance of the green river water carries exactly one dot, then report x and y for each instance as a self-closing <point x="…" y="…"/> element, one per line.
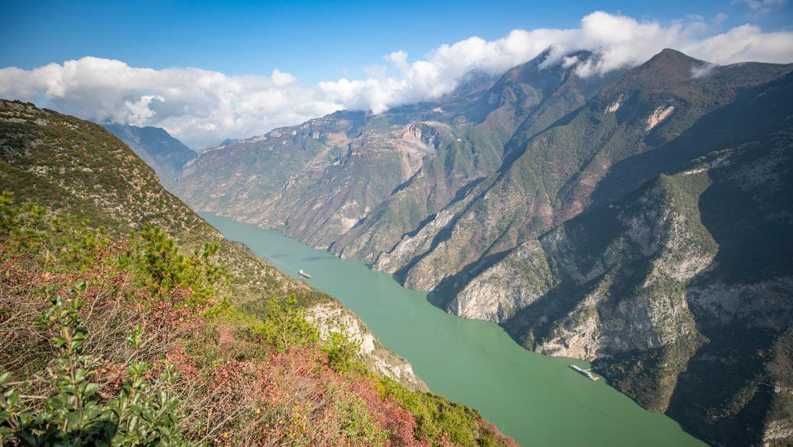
<point x="537" y="400"/>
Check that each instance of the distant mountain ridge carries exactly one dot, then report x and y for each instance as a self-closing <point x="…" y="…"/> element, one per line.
<point x="164" y="153"/>
<point x="582" y="214"/>
<point x="373" y="178"/>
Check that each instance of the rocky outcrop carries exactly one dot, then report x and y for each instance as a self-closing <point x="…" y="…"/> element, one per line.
<point x="506" y="287"/>
<point x="658" y="116"/>
<point x="333" y="317"/>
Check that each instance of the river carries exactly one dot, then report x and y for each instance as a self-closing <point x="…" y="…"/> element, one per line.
<point x="537" y="400"/>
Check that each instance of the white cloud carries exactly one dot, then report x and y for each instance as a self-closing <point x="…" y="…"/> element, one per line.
<point x="281" y="79"/>
<point x="198" y="106"/>
<point x="744" y="43"/>
<point x="139" y="111"/>
<point x="762" y="6"/>
<point x="203" y="107"/>
<point x="703" y="70"/>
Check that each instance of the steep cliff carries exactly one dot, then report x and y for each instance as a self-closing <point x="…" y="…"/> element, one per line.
<point x="552" y="175"/>
<point x="680" y="291"/>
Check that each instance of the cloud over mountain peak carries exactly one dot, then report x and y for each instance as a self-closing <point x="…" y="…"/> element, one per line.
<point x="203" y="107"/>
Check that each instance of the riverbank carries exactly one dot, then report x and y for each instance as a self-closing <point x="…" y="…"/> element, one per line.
<point x="535" y="399"/>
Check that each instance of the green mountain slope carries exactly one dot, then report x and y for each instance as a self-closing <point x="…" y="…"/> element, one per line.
<point x="551" y="175"/>
<point x="526" y="98"/>
<point x="357" y="183"/>
<point x="227" y="321"/>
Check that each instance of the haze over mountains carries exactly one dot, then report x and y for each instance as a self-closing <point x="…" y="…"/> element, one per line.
<point x="637" y="220"/>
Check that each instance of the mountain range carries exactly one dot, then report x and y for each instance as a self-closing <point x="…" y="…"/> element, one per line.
<point x="640" y="220"/>
<point x="140" y="285"/>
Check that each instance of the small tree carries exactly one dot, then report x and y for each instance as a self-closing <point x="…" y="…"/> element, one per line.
<point x="285" y="325"/>
<point x="342" y="352"/>
<point x="155" y="257"/>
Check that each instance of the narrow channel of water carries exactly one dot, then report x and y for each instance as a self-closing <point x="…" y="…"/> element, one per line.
<point x="537" y="400"/>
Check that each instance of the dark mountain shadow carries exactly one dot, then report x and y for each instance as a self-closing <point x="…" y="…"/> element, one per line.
<point x="756" y="111"/>
<point x="450" y="286"/>
<point x="724" y="374"/>
<point x="755" y="244"/>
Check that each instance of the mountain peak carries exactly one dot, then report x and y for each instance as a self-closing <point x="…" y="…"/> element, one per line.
<point x="671" y="52"/>
<point x="669" y="61"/>
<point x="664" y="71"/>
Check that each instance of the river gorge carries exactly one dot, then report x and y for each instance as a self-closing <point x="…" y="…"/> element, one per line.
<point x="537" y="400"/>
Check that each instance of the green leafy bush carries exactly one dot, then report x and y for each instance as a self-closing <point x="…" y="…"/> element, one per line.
<point x="285" y="325"/>
<point x="437" y="418"/>
<point x="74" y="414"/>
<point x="246" y="368"/>
<point x="342" y="352"/>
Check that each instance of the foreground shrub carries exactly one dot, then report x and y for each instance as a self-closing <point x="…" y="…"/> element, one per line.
<point x="160" y="266"/>
<point x="342" y="352"/>
<point x="74" y="414"/>
<point x="118" y="312"/>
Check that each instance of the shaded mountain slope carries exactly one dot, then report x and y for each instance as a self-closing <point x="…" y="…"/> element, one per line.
<point x="550" y="178"/>
<point x="164" y="153"/>
<point x="679" y="291"/>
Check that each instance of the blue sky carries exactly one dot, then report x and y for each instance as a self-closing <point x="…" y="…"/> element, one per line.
<point x="210" y="70"/>
<point x="312" y="40"/>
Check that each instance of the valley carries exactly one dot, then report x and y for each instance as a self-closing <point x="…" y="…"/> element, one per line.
<point x="537" y="400"/>
<point x="410" y="224"/>
<point x="584" y="215"/>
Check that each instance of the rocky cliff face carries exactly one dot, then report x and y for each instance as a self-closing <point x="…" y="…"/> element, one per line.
<point x="332" y="317"/>
<point x="551" y="176"/>
<point x="680" y="291"/>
